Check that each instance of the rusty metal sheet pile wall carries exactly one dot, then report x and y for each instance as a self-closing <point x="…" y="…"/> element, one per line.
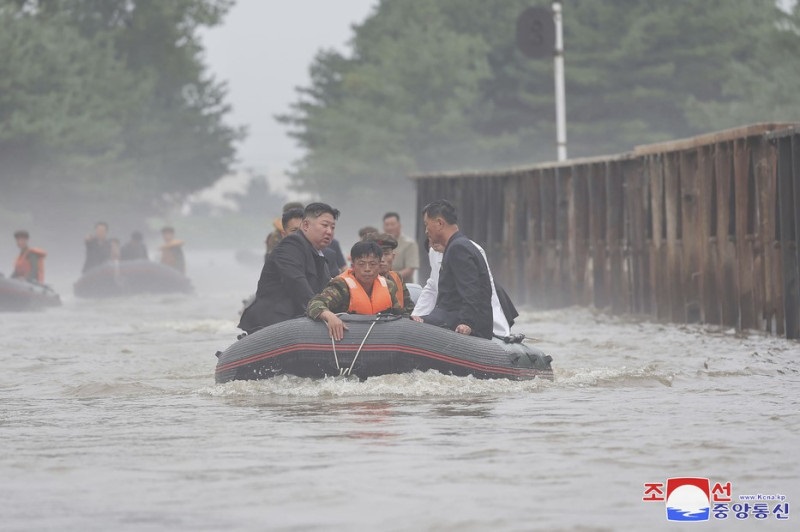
<point x="690" y="231"/>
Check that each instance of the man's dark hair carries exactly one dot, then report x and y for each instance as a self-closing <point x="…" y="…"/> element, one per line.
<point x="291" y="214"/>
<point x="167" y="229"/>
<point x="365" y="249"/>
<point x="391" y="215"/>
<point x="441" y="209"/>
<point x="315" y="210"/>
<point x="364" y="231"/>
<point x="136" y="236"/>
<point x="292" y="205"/>
<point x="22" y="233"/>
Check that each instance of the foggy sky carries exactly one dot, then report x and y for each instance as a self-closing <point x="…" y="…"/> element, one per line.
<point x="263" y="51"/>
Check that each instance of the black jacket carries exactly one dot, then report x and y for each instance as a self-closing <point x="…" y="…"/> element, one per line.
<point x="293" y="273"/>
<point x="464" y="285"/>
<point x="97" y="252"/>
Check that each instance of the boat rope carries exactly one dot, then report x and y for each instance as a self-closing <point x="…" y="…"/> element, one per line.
<point x="349" y="371"/>
<point x="335" y="357"/>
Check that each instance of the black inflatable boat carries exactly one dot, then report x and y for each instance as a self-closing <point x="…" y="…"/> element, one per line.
<point x="375" y="345"/>
<point x="128" y="277"/>
<point x="17" y="294"/>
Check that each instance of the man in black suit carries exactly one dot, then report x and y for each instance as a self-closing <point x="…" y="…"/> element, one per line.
<point x="294" y="272"/>
<point x="464" y="301"/>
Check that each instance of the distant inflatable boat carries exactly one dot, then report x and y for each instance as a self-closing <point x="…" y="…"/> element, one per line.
<point x="372" y="346"/>
<point x="128" y="277"/>
<point x="17" y="294"/>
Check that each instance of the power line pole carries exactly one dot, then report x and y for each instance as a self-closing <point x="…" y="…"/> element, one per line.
<point x="540" y="35"/>
<point x="561" y="98"/>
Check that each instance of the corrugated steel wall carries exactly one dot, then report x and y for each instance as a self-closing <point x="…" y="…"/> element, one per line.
<point x="699" y="230"/>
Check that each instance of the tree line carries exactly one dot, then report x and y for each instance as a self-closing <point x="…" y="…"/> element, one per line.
<point x="108" y="102"/>
<point x="435" y="85"/>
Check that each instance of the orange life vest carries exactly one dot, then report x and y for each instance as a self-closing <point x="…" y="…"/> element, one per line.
<point x="398" y="282"/>
<point x="23" y="265"/>
<point x="360" y="302"/>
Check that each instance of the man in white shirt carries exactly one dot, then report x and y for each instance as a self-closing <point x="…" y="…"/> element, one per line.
<point x="427" y="298"/>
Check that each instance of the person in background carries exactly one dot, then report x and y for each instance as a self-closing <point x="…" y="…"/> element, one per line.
<point x="359" y="290"/>
<point x="295" y="271"/>
<point x="364" y="231"/>
<point x="280" y="231"/>
<point x="135" y="249"/>
<point x="406" y="260"/>
<point x="172" y="250"/>
<point x="115" y="249"/>
<point x="291" y="220"/>
<point x="335" y="258"/>
<point x="30" y="261"/>
<point x="388" y="244"/>
<point x="464" y="299"/>
<point x="98" y="248"/>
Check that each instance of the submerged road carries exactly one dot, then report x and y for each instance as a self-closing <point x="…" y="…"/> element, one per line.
<point x="110" y="419"/>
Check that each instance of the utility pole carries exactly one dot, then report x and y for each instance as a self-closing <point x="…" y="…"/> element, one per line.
<point x="540" y="35"/>
<point x="561" y="98"/>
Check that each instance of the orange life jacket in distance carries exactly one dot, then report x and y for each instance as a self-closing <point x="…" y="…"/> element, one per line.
<point x="360" y="302"/>
<point x="398" y="282"/>
<point x="23" y="266"/>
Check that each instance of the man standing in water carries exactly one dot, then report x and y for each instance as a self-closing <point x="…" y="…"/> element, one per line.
<point x="295" y="271"/>
<point x="464" y="301"/>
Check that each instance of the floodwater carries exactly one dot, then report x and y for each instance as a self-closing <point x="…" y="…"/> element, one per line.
<point x="110" y="420"/>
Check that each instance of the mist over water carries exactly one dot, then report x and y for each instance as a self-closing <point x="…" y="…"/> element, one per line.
<point x="111" y="419"/>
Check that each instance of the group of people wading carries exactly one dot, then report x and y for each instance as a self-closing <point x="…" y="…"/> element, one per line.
<point x="299" y="279"/>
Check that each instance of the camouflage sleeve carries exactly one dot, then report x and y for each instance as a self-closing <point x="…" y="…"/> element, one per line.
<point x="334" y="297"/>
<point x="390" y="284"/>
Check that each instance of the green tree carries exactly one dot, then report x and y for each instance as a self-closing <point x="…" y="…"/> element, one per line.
<point x="440" y="85"/>
<point x="107" y="102"/>
<point x="389" y="110"/>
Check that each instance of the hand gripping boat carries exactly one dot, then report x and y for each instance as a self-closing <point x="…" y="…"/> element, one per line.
<point x="375" y="345"/>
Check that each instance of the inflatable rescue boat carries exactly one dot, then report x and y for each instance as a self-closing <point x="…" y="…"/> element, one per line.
<point x="128" y="277"/>
<point x="376" y="345"/>
<point x="18" y="294"/>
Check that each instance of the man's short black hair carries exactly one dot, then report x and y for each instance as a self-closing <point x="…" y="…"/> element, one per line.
<point x="317" y="209"/>
<point x="391" y="215"/>
<point x="364" y="231"/>
<point x="22" y="233"/>
<point x="291" y="214"/>
<point x="441" y="209"/>
<point x="137" y="236"/>
<point x="365" y="249"/>
<point x="167" y="229"/>
<point x="98" y="224"/>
